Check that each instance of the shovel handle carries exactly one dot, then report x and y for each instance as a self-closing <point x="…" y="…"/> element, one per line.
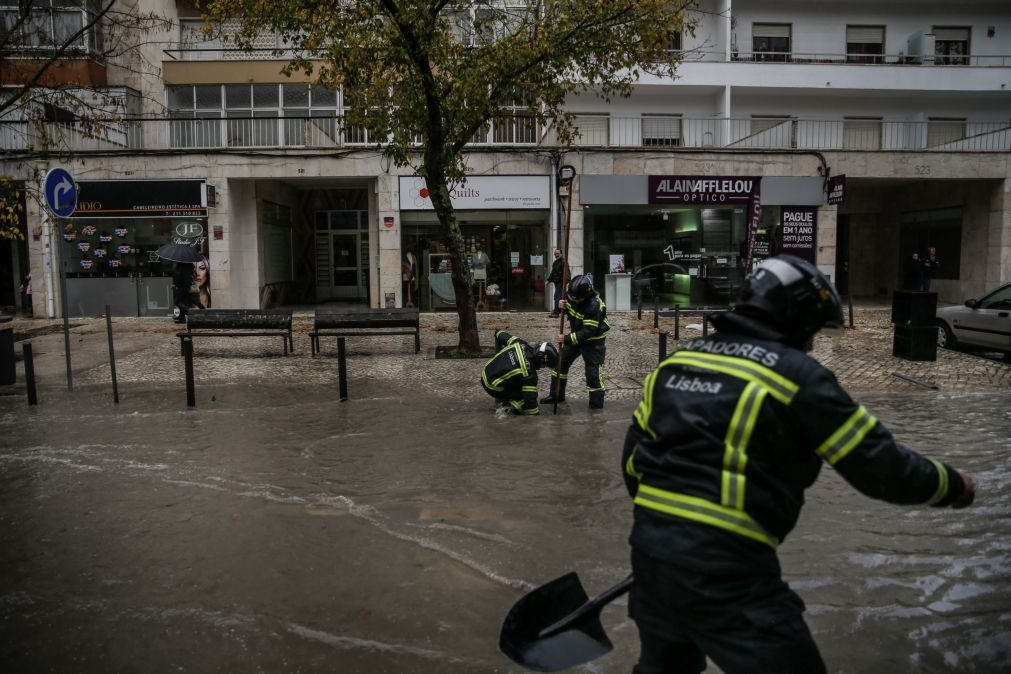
<point x="591" y="606"/>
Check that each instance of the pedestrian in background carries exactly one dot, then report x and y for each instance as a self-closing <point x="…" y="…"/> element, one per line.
<point x="558" y="268"/>
<point x="26" y="296"/>
<point x="912" y="273"/>
<point x="930" y="265"/>
<point x="731" y="430"/>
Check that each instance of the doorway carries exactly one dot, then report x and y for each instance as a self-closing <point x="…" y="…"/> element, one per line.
<point x="342" y="256"/>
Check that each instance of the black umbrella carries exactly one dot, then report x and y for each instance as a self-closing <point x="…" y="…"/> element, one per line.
<point x="179" y="252"/>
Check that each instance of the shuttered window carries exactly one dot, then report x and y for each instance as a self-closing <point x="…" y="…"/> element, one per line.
<point x="943" y="130"/>
<point x="951" y="45"/>
<point x="865" y="34"/>
<point x="862" y="133"/>
<point x="592" y="129"/>
<point x="771" y="30"/>
<point x="942" y="34"/>
<point x="661" y="130"/>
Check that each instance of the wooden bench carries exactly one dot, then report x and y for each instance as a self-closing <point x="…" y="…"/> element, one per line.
<point x="374" y="322"/>
<point x="240" y="323"/>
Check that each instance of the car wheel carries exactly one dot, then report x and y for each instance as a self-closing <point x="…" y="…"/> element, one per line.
<point x="945" y="338"/>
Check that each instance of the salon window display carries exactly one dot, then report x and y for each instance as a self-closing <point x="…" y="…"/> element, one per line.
<point x="97" y="249"/>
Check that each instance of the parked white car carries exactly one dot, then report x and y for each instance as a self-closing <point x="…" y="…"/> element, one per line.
<point x="980" y="324"/>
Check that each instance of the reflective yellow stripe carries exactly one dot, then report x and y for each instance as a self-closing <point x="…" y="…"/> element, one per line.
<point x="700" y="510"/>
<point x="520" y="360"/>
<point x="735" y="457"/>
<point x="942" y="482"/>
<point x="646" y="404"/>
<point x="593" y="339"/>
<point x="781" y="388"/>
<point x="846" y="438"/>
<point x="529" y="389"/>
<point x="595" y="324"/>
<point x="630" y="464"/>
<point x="575" y="340"/>
<point x="517" y="404"/>
<point x="497" y="384"/>
<point x="532" y="411"/>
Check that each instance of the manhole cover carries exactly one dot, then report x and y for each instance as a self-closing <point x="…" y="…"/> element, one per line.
<point x="454" y="352"/>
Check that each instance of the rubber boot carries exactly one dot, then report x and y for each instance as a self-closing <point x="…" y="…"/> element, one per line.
<point x="550" y="398"/>
<point x="596" y="400"/>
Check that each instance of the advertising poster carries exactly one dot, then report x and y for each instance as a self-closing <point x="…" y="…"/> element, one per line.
<point x="797" y="231"/>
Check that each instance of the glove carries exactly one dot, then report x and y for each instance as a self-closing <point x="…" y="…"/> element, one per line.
<point x="968" y="494"/>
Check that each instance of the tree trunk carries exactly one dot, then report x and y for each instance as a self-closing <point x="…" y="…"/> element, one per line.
<point x="469" y="339"/>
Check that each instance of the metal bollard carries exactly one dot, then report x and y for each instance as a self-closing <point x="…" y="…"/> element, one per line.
<point x="656" y="312"/>
<point x="33" y="397"/>
<point x="663" y="346"/>
<point x="705" y="325"/>
<point x="112" y="354"/>
<point x="191" y="394"/>
<point x="342" y="370"/>
<point x="677" y="322"/>
<point x="640" y="304"/>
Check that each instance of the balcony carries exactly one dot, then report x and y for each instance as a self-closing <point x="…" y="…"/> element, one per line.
<point x="658" y="133"/>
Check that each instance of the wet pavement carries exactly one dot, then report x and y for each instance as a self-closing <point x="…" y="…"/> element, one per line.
<point x="273" y="528"/>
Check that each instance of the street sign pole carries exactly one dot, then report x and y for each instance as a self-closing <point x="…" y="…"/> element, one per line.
<point x="60" y="192"/>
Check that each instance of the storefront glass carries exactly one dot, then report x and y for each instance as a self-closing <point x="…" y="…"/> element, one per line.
<point x="507" y="259"/>
<point x="691" y="256"/>
<point x="113" y="261"/>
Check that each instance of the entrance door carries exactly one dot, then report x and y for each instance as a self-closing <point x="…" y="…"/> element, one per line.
<point x="342" y="253"/>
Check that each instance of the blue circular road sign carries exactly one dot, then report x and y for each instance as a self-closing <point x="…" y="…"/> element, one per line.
<point x="61" y="192"/>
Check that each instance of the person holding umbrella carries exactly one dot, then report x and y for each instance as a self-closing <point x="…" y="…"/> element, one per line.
<point x="182" y="276"/>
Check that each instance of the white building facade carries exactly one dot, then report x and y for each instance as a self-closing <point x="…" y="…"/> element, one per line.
<point x="685" y="183"/>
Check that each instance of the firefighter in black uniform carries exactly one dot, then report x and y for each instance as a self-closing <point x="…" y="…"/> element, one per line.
<point x="588" y="328"/>
<point x="730" y="432"/>
<point x="511" y="375"/>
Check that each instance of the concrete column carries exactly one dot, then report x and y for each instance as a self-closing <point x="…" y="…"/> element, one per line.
<point x="998" y="248"/>
<point x="388" y="279"/>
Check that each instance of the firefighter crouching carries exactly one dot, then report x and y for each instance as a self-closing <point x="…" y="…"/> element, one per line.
<point x="730" y="432"/>
<point x="511" y="375"/>
<point x="588" y="328"/>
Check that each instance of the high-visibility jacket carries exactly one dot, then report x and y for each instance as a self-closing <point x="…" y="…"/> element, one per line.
<point x="587" y="322"/>
<point x="734" y="427"/>
<point x="510" y="375"/>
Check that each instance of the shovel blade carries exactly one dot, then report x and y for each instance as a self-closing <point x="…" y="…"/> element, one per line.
<point x="582" y="641"/>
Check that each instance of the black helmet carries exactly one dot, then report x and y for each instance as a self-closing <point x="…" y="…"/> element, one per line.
<point x="793" y="295"/>
<point x="580" y="287"/>
<point x="546" y="354"/>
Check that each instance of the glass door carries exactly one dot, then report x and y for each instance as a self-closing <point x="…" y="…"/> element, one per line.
<point x="347" y="273"/>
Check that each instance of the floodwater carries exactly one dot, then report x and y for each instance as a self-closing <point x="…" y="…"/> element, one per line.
<point x="278" y="530"/>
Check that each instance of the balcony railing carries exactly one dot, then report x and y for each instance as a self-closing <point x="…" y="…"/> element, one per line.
<point x="688" y="55"/>
<point x="603" y="131"/>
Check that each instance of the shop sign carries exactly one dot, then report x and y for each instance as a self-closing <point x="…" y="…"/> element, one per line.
<point x="141" y="199"/>
<point x="837" y="189"/>
<point x="505" y="193"/>
<point x="702" y="190"/>
<point x="797" y="232"/>
<point x="189" y="230"/>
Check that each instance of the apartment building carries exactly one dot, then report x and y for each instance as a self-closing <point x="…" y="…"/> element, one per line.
<point x="850" y="134"/>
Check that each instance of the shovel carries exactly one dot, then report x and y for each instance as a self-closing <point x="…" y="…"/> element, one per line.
<point x="556" y="626"/>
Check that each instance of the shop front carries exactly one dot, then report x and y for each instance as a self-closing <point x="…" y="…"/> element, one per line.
<point x="505" y="222"/>
<point x="690" y="240"/>
<point x="107" y="249"/>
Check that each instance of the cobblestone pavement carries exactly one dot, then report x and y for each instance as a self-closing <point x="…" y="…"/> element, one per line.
<point x="149" y="353"/>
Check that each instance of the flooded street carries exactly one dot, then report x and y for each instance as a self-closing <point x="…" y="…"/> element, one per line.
<point x="275" y="529"/>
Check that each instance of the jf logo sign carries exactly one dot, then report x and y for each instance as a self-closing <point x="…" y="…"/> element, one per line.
<point x="61" y="192"/>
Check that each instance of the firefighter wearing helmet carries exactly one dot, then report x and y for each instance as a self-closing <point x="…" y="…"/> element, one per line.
<point x="731" y="430"/>
<point x="588" y="328"/>
<point x="511" y="375"/>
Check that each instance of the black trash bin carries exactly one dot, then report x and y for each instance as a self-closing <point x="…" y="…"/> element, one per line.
<point x="8" y="369"/>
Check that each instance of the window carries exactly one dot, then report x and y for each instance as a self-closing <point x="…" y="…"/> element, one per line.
<point x="865" y="44"/>
<point x="674" y="42"/>
<point x="770" y="41"/>
<point x="52" y="24"/>
<point x="772" y="131"/>
<point x="951" y="46"/>
<point x="862" y="133"/>
<point x="515" y="124"/>
<point x="590" y="129"/>
<point x="256" y="115"/>
<point x="944" y="130"/>
<point x="661" y="130"/>
<point x="191" y="37"/>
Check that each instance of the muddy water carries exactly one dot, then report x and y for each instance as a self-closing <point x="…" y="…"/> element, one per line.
<point x="277" y="530"/>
